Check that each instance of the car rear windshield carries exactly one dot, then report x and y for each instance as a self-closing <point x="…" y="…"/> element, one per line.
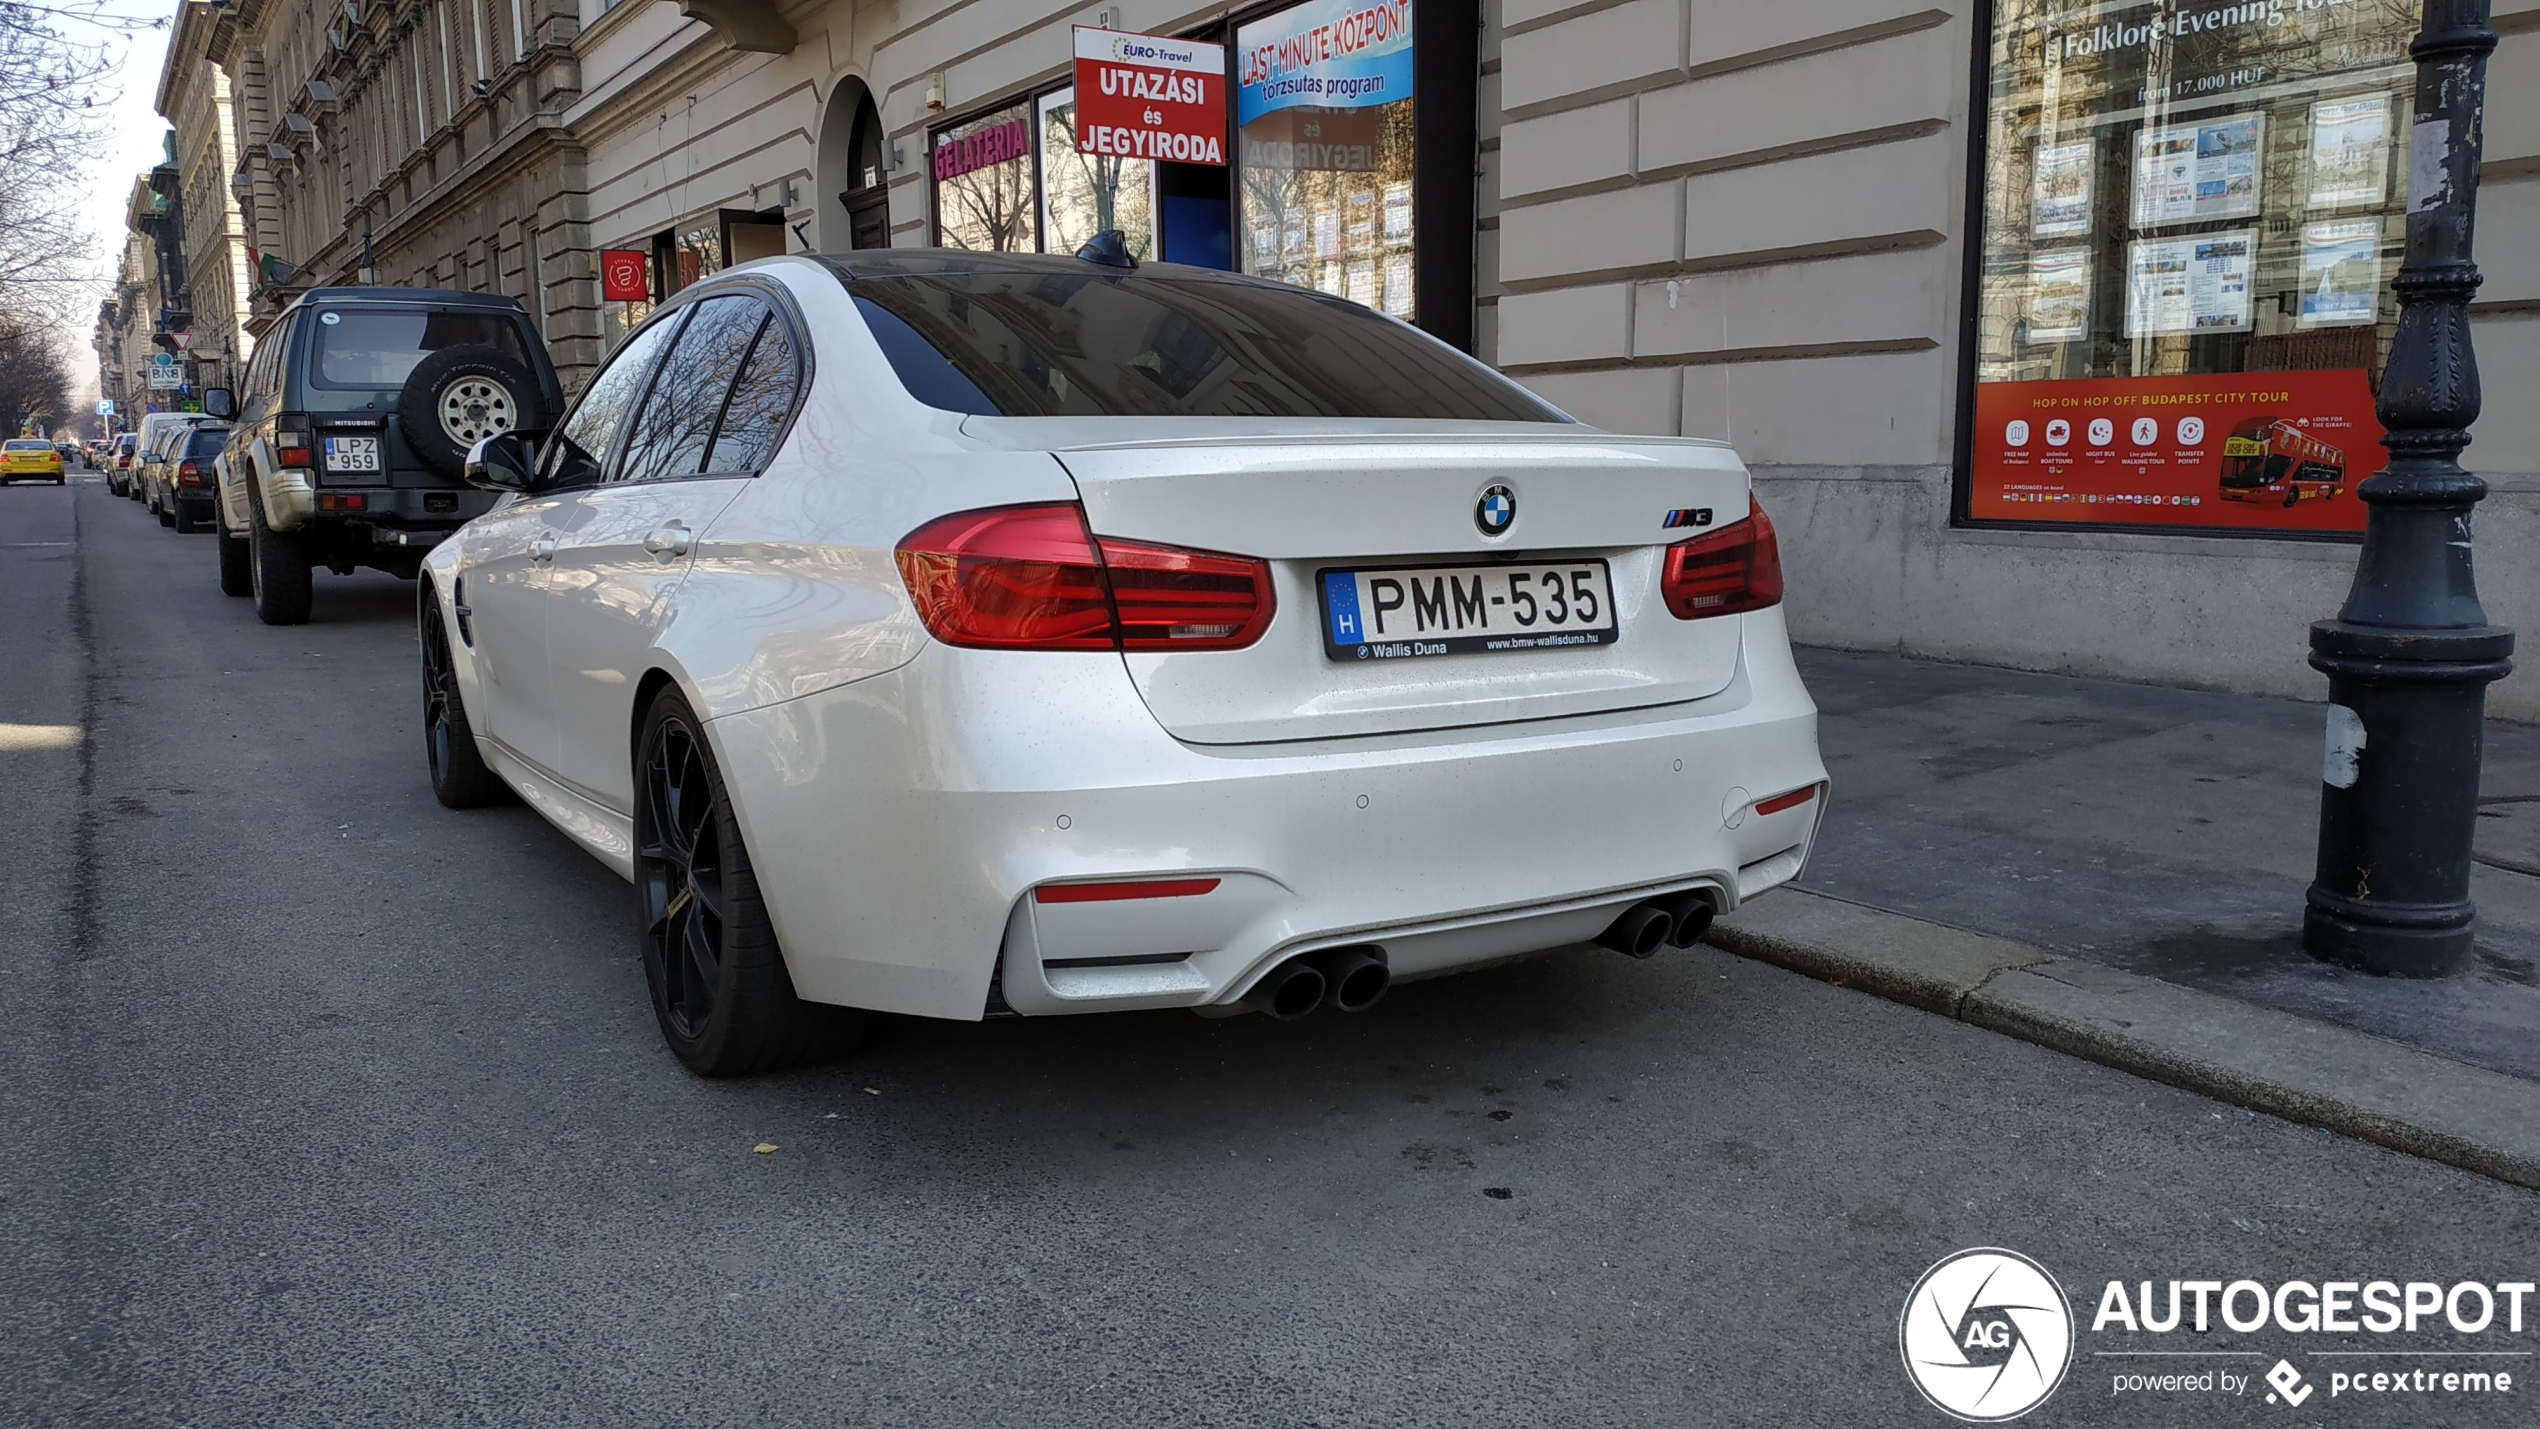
<point x="207" y="441"/>
<point x="1044" y="344"/>
<point x="378" y="347"/>
<point x="28" y="447"/>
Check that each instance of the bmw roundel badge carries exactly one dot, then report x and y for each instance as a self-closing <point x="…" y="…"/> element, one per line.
<point x="1497" y="510"/>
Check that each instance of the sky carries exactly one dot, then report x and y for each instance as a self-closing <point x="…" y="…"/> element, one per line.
<point x="129" y="146"/>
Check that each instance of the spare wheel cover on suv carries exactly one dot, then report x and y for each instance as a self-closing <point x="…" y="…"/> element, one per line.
<point x="461" y="395"/>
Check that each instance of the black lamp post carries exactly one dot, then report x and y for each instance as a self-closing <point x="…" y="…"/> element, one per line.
<point x="2410" y="657"/>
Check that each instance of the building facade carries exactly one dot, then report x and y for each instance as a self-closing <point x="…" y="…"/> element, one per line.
<point x="194" y="98"/>
<point x="2049" y="328"/>
<point x="419" y="142"/>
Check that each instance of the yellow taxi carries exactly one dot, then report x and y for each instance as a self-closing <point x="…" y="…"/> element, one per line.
<point x="25" y="457"/>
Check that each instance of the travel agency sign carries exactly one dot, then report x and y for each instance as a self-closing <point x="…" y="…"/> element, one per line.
<point x="1150" y="97"/>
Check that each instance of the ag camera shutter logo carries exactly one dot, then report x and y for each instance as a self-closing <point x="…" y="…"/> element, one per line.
<point x="1986" y="1335"/>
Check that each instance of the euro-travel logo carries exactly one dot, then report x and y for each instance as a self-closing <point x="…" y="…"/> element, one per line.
<point x="1986" y="1335"/>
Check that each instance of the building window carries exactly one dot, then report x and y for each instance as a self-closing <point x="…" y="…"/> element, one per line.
<point x="985" y="196"/>
<point x="2189" y="219"/>
<point x="1085" y="194"/>
<point x="1324" y="149"/>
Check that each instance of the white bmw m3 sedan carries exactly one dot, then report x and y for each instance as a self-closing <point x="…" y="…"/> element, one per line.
<point x="962" y="634"/>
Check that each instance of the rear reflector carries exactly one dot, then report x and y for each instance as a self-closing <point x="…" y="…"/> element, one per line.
<point x="332" y="501"/>
<point x="1791" y="800"/>
<point x="1035" y="578"/>
<point x="1727" y="572"/>
<point x="1119" y="892"/>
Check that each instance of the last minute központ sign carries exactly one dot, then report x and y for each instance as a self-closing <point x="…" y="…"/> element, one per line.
<point x="1150" y="97"/>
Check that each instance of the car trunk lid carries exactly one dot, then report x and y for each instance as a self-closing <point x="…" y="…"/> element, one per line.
<point x="1316" y="498"/>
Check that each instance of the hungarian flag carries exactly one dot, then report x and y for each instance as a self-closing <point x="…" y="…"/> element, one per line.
<point x="270" y="271"/>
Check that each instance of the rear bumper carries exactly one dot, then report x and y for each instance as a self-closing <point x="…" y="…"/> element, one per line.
<point x="899" y="826"/>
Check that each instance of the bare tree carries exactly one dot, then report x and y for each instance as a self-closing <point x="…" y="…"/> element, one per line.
<point x="35" y="381"/>
<point x="55" y="60"/>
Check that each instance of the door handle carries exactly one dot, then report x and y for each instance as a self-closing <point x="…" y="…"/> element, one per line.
<point x="671" y="542"/>
<point x="543" y="550"/>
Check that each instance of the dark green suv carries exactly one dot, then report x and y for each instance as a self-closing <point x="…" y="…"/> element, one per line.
<point x="352" y="423"/>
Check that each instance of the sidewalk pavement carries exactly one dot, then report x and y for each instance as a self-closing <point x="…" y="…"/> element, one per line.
<point x="2035" y="830"/>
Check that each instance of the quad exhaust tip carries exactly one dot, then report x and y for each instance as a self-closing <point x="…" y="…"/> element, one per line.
<point x="1676" y="920"/>
<point x="1351" y="979"/>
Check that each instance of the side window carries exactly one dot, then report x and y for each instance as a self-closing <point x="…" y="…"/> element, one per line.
<point x="582" y="443"/>
<point x="761" y="400"/>
<point x="670" y="434"/>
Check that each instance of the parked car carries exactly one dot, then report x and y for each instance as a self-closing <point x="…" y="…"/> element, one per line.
<point x="120" y="463"/>
<point x="153" y="436"/>
<point x="30" y="459"/>
<point x="94" y="452"/>
<point x="1066" y="637"/>
<point x="159" y="449"/>
<point x="354" y="421"/>
<point x="185" y="476"/>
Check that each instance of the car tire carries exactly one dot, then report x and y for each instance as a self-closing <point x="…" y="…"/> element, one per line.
<point x="165" y="510"/>
<point x="720" y="990"/>
<point x="460" y="778"/>
<point x="277" y="569"/>
<point x="184" y="521"/>
<point x="460" y="395"/>
<point x="235" y="577"/>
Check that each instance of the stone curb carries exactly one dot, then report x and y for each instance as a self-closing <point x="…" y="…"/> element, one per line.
<point x="2312" y="1072"/>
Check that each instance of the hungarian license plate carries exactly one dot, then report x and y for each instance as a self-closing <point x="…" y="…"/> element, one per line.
<point x="1459" y="610"/>
<point x="352" y="453"/>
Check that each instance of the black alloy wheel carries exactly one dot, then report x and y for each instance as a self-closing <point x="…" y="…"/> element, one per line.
<point x="460" y="778"/>
<point x="683" y="879"/>
<point x="719" y="986"/>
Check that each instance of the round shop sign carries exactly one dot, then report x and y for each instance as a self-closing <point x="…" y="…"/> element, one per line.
<point x="1986" y="1335"/>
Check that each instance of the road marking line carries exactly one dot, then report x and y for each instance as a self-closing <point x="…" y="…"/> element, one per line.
<point x="18" y="737"/>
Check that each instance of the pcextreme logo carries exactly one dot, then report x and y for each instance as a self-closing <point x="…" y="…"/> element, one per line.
<point x="1986" y="1335"/>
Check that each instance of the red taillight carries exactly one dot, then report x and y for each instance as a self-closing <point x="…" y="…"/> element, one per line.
<point x="1122" y="892"/>
<point x="1726" y="572"/>
<point x="296" y="456"/>
<point x="1791" y="800"/>
<point x="1034" y="578"/>
<point x="188" y="474"/>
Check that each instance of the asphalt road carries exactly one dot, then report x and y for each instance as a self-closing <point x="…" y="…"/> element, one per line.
<point x="324" y="1106"/>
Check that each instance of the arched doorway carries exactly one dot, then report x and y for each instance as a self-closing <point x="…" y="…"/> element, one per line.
<point x="855" y="207"/>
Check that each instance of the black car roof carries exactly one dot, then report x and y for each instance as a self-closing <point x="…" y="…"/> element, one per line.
<point x="422" y="297"/>
<point x="921" y="262"/>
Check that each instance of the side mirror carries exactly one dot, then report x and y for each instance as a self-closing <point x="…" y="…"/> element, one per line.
<point x="503" y="462"/>
<point x="219" y="402"/>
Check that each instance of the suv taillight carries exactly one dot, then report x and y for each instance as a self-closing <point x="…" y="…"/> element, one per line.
<point x="1036" y="578"/>
<point x="1726" y="572"/>
<point x="291" y="440"/>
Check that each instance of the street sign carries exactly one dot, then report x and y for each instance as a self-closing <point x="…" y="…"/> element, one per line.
<point x="106" y="407"/>
<point x="183" y="340"/>
<point x="163" y="374"/>
<point x="1150" y="97"/>
<point x="625" y="275"/>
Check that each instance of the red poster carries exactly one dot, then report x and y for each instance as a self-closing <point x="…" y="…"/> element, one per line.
<point x="1150" y="97"/>
<point x="2263" y="451"/>
<point x="623" y="275"/>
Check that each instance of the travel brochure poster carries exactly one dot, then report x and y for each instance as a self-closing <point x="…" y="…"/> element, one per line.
<point x="2350" y="151"/>
<point x="2341" y="273"/>
<point x="2191" y="172"/>
<point x="2267" y="451"/>
<point x="2059" y="295"/>
<point x="2189" y="285"/>
<point x="2062" y="206"/>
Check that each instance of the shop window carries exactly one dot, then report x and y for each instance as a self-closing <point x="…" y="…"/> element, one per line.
<point x="1086" y="194"/>
<point x="1324" y="150"/>
<point x="984" y="191"/>
<point x="2189" y="222"/>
